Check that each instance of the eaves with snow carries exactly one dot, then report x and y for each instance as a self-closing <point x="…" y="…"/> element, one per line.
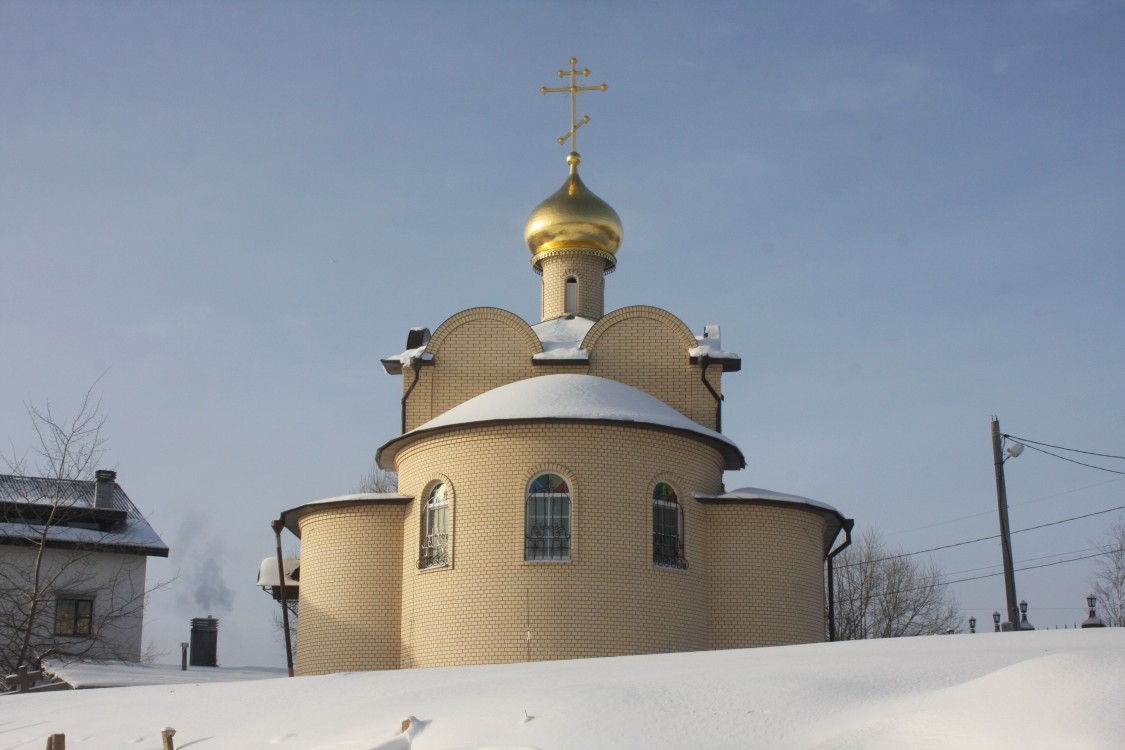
<point x="565" y="398"/>
<point x="562" y="341"/>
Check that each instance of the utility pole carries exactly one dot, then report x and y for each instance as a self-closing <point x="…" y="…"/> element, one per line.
<point x="1005" y="533"/>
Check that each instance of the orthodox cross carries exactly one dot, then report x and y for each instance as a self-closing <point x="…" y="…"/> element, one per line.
<point x="573" y="89"/>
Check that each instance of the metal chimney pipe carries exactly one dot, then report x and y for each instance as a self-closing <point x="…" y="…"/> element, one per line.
<point x="104" y="483"/>
<point x="204" y="642"/>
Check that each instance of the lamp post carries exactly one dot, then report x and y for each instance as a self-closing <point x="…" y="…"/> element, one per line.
<point x="996" y="622"/>
<point x="1024" y="624"/>
<point x="1093" y="621"/>
<point x="972" y="624"/>
<point x="1005" y="534"/>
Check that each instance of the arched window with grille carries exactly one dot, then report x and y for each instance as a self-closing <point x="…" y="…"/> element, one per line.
<point x="667" y="534"/>
<point x="434" y="552"/>
<point x="547" y="527"/>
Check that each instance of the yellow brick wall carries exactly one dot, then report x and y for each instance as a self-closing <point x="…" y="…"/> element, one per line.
<point x="589" y="270"/>
<point x="767" y="575"/>
<point x="483" y="348"/>
<point x="647" y="348"/>
<point x="608" y="599"/>
<point x="474" y="351"/>
<point x="754" y="575"/>
<point x="351" y="578"/>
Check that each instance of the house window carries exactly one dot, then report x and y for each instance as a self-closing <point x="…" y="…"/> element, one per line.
<point x="548" y="519"/>
<point x="571" y="295"/>
<point x="435" y="529"/>
<point x="667" y="541"/>
<point x="73" y="616"/>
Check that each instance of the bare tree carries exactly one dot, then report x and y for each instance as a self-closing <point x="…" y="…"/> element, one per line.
<point x="882" y="593"/>
<point x="1108" y="581"/>
<point x="378" y="480"/>
<point x="54" y="559"/>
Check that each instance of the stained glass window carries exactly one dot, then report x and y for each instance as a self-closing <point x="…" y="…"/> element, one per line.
<point x="667" y="542"/>
<point x="435" y="531"/>
<point x="547" y="533"/>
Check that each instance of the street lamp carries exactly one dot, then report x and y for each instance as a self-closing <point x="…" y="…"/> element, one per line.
<point x="1024" y="624"/>
<point x="998" y="460"/>
<point x="996" y="622"/>
<point x="1093" y="621"/>
<point x="972" y="624"/>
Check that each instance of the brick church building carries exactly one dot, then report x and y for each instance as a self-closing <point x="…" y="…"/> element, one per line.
<point x="560" y="489"/>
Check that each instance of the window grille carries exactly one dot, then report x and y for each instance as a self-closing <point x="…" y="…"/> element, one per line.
<point x="547" y="534"/>
<point x="434" y="551"/>
<point x="667" y="541"/>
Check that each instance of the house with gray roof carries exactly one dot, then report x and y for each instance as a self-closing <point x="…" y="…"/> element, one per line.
<point x="73" y="553"/>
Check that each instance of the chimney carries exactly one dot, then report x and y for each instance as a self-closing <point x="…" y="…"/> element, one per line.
<point x="204" y="642"/>
<point x="104" y="482"/>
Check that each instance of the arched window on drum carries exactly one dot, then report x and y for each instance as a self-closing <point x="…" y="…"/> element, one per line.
<point x="667" y="531"/>
<point x="434" y="551"/>
<point x="547" y="528"/>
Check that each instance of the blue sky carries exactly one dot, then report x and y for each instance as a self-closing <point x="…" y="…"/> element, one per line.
<point x="905" y="216"/>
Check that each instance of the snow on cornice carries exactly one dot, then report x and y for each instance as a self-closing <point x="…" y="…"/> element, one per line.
<point x="567" y="397"/>
<point x="562" y="338"/>
<point x="757" y="493"/>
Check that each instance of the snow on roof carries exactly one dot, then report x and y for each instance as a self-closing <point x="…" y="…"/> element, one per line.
<point x="562" y="338"/>
<point x="573" y="397"/>
<point x="394" y="364"/>
<point x="835" y="519"/>
<point x="125" y="528"/>
<point x="267" y="571"/>
<point x="129" y="674"/>
<point x="710" y="345"/>
<point x="757" y="493"/>
<point x="291" y="518"/>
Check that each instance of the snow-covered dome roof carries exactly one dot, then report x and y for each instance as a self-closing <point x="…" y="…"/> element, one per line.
<point x="579" y="398"/>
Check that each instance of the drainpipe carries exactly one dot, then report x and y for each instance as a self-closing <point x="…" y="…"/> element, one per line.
<point x="277" y="527"/>
<point x="705" y="361"/>
<point x="417" y="372"/>
<point x="848" y="524"/>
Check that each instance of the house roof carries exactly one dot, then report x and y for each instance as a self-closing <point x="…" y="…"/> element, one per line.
<point x="571" y="398"/>
<point x="66" y="507"/>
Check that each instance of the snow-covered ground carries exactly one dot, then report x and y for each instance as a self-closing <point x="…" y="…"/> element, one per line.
<point x="1049" y="689"/>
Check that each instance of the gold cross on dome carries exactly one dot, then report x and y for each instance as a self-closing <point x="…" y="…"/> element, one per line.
<point x="573" y="89"/>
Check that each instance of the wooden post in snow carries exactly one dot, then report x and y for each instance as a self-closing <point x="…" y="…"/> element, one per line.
<point x="56" y="742"/>
<point x="166" y="735"/>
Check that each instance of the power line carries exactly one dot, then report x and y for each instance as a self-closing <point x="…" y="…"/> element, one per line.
<point x="1010" y="505"/>
<point x="1025" y="441"/>
<point x="1080" y="463"/>
<point x="884" y="594"/>
<point x="1025" y="560"/>
<point x="983" y="538"/>
<point x="1072" y="518"/>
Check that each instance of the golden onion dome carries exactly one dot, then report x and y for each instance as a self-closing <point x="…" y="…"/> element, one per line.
<point x="573" y="219"/>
